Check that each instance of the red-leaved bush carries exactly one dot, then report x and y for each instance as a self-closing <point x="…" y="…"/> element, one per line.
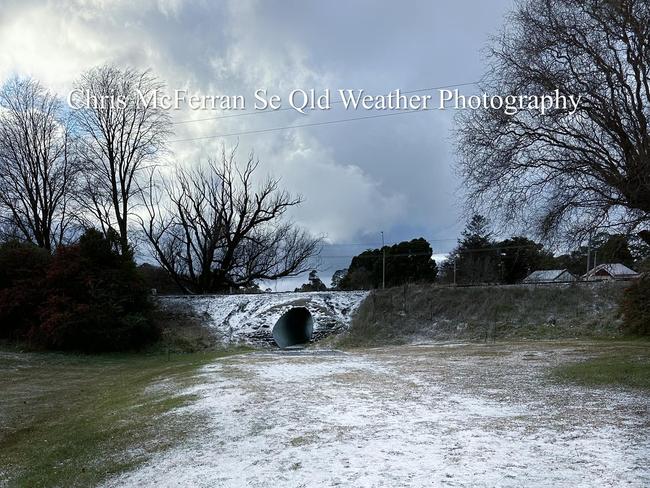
<point x="22" y="288"/>
<point x="87" y="297"/>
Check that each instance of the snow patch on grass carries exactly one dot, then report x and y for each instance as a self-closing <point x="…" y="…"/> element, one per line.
<point x="410" y="416"/>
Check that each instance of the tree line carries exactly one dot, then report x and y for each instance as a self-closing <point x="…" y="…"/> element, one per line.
<point x="480" y="258"/>
<point x="212" y="225"/>
<point x="81" y="189"/>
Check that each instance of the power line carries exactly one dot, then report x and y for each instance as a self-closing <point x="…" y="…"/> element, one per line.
<point x="464" y="251"/>
<point x="449" y="239"/>
<point x="313" y="124"/>
<point x="261" y="112"/>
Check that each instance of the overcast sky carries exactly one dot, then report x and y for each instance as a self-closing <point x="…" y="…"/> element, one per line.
<point x="393" y="174"/>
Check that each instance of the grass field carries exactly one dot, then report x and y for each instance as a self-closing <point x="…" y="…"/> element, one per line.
<point x="68" y="420"/>
<point x="628" y="367"/>
<point x="430" y="415"/>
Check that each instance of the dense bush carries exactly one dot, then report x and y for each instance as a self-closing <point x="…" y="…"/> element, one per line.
<point x="96" y="300"/>
<point x="636" y="307"/>
<point x="22" y="288"/>
<point x="87" y="297"/>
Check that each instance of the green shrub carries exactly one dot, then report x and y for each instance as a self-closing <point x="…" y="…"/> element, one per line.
<point x="636" y="307"/>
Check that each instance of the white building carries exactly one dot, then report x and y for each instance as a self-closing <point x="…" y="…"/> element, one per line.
<point x="610" y="271"/>
<point x="550" y="276"/>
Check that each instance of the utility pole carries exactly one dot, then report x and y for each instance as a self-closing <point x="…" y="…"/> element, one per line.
<point x="454" y="270"/>
<point x="589" y="253"/>
<point x="383" y="264"/>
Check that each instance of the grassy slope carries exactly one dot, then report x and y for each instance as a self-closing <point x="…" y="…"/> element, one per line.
<point x="70" y="420"/>
<point x="414" y="313"/>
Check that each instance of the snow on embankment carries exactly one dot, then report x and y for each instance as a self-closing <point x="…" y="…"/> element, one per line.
<point x="250" y="319"/>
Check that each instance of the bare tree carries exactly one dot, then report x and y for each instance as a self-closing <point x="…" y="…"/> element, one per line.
<point x="123" y="133"/>
<point x="566" y="174"/>
<point x="37" y="165"/>
<point x="212" y="228"/>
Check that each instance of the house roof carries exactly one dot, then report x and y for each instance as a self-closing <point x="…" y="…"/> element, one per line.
<point x="613" y="269"/>
<point x="545" y="275"/>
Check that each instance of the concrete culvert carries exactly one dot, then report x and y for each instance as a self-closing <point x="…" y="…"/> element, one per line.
<point x="294" y="327"/>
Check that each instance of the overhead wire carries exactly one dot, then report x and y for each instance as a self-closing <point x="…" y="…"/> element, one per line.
<point x="267" y="111"/>
<point x="309" y="124"/>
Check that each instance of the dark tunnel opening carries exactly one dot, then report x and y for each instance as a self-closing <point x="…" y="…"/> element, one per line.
<point x="293" y="328"/>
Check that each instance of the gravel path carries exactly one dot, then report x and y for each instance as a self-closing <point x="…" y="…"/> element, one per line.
<point x="406" y="416"/>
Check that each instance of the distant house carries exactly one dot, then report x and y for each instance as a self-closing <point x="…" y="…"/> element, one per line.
<point x="550" y="276"/>
<point x="610" y="271"/>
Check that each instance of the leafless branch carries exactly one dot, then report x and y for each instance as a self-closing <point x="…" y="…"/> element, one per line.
<point x="563" y="175"/>
<point x="123" y="131"/>
<point x="212" y="227"/>
<point x="38" y="165"/>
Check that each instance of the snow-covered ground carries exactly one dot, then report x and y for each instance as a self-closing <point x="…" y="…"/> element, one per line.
<point x="250" y="318"/>
<point x="405" y="416"/>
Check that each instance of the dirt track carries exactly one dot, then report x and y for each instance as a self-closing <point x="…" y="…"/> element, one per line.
<point x="406" y="416"/>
